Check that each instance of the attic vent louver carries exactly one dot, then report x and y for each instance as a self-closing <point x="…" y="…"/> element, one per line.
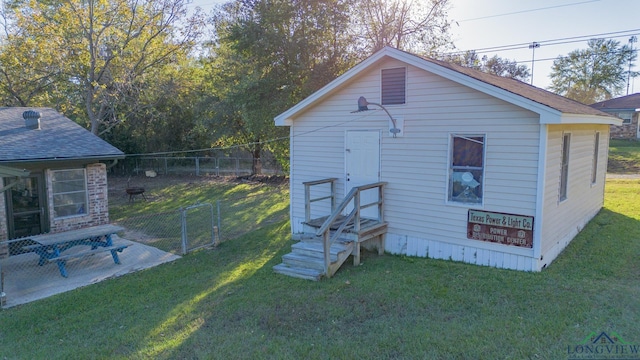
<point x="31" y="119"/>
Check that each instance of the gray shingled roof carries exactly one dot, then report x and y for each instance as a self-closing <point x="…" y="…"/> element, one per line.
<point x="629" y="102"/>
<point x="58" y="138"/>
<point x="525" y="90"/>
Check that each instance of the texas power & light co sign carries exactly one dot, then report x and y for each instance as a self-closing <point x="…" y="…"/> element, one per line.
<point x="507" y="229"/>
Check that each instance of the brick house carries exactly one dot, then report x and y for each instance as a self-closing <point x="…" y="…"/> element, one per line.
<point x="53" y="174"/>
<point x="626" y="108"/>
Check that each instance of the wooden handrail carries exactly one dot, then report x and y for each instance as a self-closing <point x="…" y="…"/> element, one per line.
<point x="318" y="182"/>
<point x="354" y="194"/>
<point x="334" y="215"/>
<point x="307" y="195"/>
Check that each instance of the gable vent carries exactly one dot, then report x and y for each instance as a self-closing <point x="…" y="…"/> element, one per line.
<point x="394" y="83"/>
<point x="31" y="119"/>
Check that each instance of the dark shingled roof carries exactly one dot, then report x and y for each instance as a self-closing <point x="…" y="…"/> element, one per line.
<point x="629" y="102"/>
<point x="525" y="90"/>
<point x="58" y="138"/>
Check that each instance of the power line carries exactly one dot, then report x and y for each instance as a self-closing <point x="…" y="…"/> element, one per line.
<point x="566" y="56"/>
<point x="526" y="11"/>
<point x="550" y="42"/>
<point x="364" y="115"/>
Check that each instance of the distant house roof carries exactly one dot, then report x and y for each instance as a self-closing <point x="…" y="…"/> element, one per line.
<point x="57" y="139"/>
<point x="623" y="103"/>
<point x="550" y="106"/>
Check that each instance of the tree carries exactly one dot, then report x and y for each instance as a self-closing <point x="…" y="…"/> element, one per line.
<point x="97" y="50"/>
<point x="269" y="55"/>
<point x="594" y="74"/>
<point x="164" y="113"/>
<point x="506" y="68"/>
<point x="493" y="65"/>
<point x="416" y="26"/>
<point x="26" y="76"/>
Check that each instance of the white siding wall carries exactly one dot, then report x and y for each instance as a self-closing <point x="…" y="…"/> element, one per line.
<point x="421" y="222"/>
<point x="564" y="220"/>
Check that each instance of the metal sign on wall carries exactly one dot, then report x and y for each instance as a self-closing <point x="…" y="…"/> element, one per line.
<point x="507" y="229"/>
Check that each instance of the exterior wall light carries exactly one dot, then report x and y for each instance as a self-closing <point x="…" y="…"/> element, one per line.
<point x="362" y="106"/>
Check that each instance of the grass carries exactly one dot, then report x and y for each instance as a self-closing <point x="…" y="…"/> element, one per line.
<point x="624" y="157"/>
<point x="243" y="208"/>
<point x="226" y="303"/>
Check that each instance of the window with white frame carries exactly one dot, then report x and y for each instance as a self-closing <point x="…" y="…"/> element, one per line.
<point x="394" y="86"/>
<point x="69" y="192"/>
<point x="564" y="167"/>
<point x="625" y="116"/>
<point x="594" y="164"/>
<point x="466" y="168"/>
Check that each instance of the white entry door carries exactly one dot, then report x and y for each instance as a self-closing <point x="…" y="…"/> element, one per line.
<point x="362" y="161"/>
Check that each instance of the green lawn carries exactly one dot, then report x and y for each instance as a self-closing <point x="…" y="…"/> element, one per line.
<point x="624" y="157"/>
<point x="226" y="303"/>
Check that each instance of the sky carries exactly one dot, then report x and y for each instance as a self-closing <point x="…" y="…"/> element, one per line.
<point x="507" y="27"/>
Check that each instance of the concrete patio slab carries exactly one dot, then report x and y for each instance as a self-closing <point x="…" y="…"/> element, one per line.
<point x="25" y="281"/>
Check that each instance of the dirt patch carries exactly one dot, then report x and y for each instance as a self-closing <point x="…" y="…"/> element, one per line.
<point x="264" y="179"/>
<point x="621" y="166"/>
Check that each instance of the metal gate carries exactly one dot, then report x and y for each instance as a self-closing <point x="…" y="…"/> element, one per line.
<point x="199" y="226"/>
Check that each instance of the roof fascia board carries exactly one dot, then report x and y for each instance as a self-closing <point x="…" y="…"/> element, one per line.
<point x="476" y="84"/>
<point x="85" y="160"/>
<point x="619" y="109"/>
<point x="547" y="114"/>
<point x="286" y="118"/>
<point x="587" y="119"/>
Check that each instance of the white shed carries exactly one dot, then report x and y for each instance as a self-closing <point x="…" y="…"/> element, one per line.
<point x="480" y="168"/>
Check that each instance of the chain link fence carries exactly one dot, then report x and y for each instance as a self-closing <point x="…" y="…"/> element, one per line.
<point x="149" y="240"/>
<point x="221" y="165"/>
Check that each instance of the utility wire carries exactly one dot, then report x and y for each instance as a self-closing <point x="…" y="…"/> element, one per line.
<point x="529" y="10"/>
<point x="550" y="42"/>
<point x="365" y="115"/>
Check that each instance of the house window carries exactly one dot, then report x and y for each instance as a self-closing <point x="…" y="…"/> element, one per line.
<point x="596" y="150"/>
<point x="625" y="116"/>
<point x="394" y="82"/>
<point x="466" y="168"/>
<point x="564" y="170"/>
<point x="69" y="192"/>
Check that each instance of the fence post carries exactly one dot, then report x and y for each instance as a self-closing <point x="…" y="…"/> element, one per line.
<point x="219" y="219"/>
<point x="3" y="296"/>
<point x="197" y="166"/>
<point x="183" y="226"/>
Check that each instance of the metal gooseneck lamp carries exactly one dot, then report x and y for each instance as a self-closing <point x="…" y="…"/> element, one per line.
<point x="362" y="106"/>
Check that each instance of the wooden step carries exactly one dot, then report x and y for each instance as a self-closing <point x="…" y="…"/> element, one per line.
<point x="315" y="249"/>
<point x="304" y="261"/>
<point x="301" y="273"/>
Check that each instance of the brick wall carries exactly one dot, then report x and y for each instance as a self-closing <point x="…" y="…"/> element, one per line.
<point x="625" y="131"/>
<point x="97" y="201"/>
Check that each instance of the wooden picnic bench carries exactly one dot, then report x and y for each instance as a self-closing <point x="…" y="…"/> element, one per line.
<point x="50" y="246"/>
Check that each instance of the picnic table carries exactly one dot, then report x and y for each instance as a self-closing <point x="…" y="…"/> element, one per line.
<point x="50" y="246"/>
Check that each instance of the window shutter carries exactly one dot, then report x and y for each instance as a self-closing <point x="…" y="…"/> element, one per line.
<point x="394" y="86"/>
